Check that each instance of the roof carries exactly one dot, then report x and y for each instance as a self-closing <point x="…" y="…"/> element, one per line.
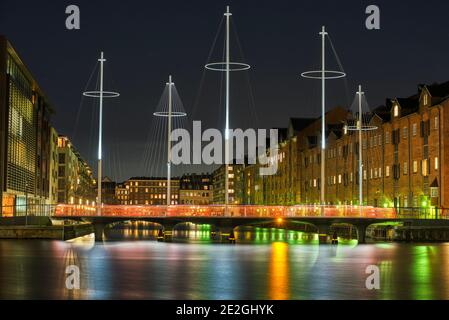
<point x="299" y="124"/>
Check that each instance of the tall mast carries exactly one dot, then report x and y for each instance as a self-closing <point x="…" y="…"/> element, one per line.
<point x="170" y="108"/>
<point x="323" y="34"/>
<point x="100" y="135"/>
<point x="227" y="15"/>
<point x="360" y="127"/>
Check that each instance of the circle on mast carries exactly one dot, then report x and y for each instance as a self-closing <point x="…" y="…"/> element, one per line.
<point x="328" y="74"/>
<point x="97" y="94"/>
<point x="233" y="66"/>
<point x="175" y="114"/>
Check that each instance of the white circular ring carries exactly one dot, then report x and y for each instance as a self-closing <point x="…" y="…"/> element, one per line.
<point x="331" y="75"/>
<point x="364" y="128"/>
<point x="233" y="66"/>
<point x="97" y="94"/>
<point x="173" y="114"/>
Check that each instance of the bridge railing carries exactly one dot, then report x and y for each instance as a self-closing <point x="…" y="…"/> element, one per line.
<point x="31" y="210"/>
<point x="243" y="211"/>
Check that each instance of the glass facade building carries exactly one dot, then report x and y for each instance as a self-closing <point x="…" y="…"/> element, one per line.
<point x="24" y="138"/>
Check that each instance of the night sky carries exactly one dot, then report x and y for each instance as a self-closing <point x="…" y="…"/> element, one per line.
<point x="145" y="41"/>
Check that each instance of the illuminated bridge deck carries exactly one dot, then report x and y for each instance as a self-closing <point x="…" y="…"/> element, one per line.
<point x="217" y="211"/>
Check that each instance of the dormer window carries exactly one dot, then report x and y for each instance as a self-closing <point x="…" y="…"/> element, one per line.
<point x="396" y="111"/>
<point x="425" y="99"/>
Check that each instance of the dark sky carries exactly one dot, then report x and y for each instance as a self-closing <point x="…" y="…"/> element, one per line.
<point x="144" y="41"/>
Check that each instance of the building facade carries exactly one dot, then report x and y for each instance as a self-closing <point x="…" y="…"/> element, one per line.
<point x="108" y="191"/>
<point x="196" y="189"/>
<point x="53" y="186"/>
<point x="236" y="184"/>
<point x="402" y="157"/>
<point x="122" y="193"/>
<point x="24" y="138"/>
<point x="76" y="184"/>
<point x="151" y="191"/>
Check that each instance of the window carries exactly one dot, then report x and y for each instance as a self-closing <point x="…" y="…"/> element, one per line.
<point x="415" y="129"/>
<point x="380" y="172"/>
<point x="396" y="111"/>
<point x="434" y="192"/>
<point x="62" y="158"/>
<point x="387" y="137"/>
<point x="437" y="164"/>
<point x="415" y="166"/>
<point x="424" y="165"/>
<point x="426" y="100"/>
<point x="405" y="168"/>
<point x="339" y="178"/>
<point x="405" y="132"/>
<point x="364" y="174"/>
<point x="436" y="123"/>
<point x="387" y="171"/>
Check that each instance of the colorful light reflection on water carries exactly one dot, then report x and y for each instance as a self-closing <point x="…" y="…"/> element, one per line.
<point x="269" y="264"/>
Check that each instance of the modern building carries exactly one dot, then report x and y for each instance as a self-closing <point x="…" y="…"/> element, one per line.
<point x="76" y="184"/>
<point x="25" y="138"/>
<point x="53" y="186"/>
<point x="196" y="189"/>
<point x="151" y="191"/>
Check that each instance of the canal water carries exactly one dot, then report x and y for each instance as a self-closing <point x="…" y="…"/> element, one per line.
<point x="265" y="264"/>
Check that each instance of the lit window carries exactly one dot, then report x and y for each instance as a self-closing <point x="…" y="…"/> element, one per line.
<point x="437" y="164"/>
<point x="339" y="178"/>
<point x="424" y="165"/>
<point x="414" y="130"/>
<point x="415" y="166"/>
<point x="396" y="111"/>
<point x="405" y="168"/>
<point x="387" y="171"/>
<point x="426" y="99"/>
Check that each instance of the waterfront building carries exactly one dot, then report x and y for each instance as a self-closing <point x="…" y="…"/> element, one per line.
<point x="53" y="185"/>
<point x="76" y="184"/>
<point x="24" y="138"/>
<point x="196" y="189"/>
<point x="402" y="158"/>
<point x="122" y="193"/>
<point x="108" y="188"/>
<point x="236" y="184"/>
<point x="151" y="191"/>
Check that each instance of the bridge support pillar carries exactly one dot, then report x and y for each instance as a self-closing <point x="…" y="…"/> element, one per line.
<point x="227" y="235"/>
<point x="166" y="233"/>
<point x="361" y="233"/>
<point x="324" y="233"/>
<point x="99" y="231"/>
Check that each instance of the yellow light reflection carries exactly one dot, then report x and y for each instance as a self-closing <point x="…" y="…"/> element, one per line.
<point x="279" y="273"/>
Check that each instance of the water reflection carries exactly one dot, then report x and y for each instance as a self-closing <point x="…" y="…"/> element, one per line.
<point x="279" y="274"/>
<point x="267" y="264"/>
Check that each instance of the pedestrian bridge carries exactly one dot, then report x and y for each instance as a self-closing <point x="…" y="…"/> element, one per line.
<point x="226" y="219"/>
<point x="243" y="211"/>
